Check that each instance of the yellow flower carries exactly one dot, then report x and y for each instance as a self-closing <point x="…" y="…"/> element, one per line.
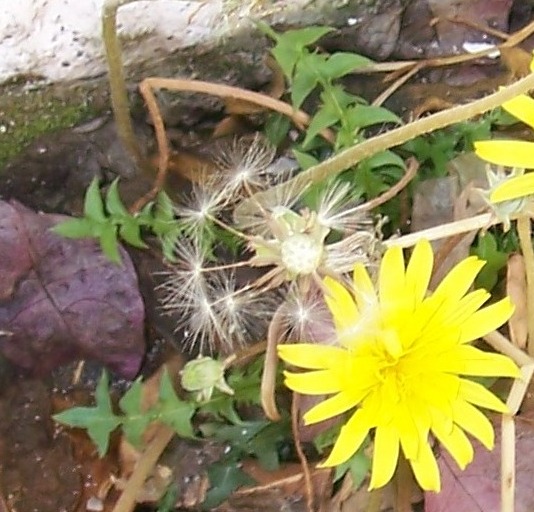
<point x="512" y="153"/>
<point x="400" y="363"/>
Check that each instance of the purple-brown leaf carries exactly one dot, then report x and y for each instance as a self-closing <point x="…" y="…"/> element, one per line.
<point x="478" y="487"/>
<point x="62" y="300"/>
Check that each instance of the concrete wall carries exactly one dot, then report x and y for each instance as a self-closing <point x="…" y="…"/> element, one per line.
<point x="60" y="40"/>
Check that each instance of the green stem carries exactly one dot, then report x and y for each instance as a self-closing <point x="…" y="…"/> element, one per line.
<point x="117" y="83"/>
<point x="351" y="156"/>
<point x="525" y="239"/>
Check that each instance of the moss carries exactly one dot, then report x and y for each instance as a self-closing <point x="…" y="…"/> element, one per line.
<point x="26" y="113"/>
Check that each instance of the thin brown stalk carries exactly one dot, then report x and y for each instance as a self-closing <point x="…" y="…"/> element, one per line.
<point x="411" y="171"/>
<point x="308" y="484"/>
<point x="507" y="463"/>
<point x="268" y="378"/>
<point x="478" y="26"/>
<point x="117" y="82"/>
<point x="524" y="231"/>
<point x="299" y="117"/>
<point x="403" y="485"/>
<point x="374" y="504"/>
<point x="143" y="468"/>
<point x="384" y="95"/>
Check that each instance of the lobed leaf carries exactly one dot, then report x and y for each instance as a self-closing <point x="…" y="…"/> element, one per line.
<point x="99" y="421"/>
<point x="93" y="204"/>
<point x="341" y="63"/>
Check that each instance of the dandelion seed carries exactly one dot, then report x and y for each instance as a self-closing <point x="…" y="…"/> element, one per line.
<point x="305" y="316"/>
<point x="245" y="165"/>
<point x="337" y="210"/>
<point x="243" y="313"/>
<point x="197" y="209"/>
<point x="216" y="315"/>
<point x="256" y="222"/>
<point x="185" y="280"/>
<point x="359" y="247"/>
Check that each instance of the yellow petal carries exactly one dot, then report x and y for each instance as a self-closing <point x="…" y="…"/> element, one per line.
<point x="522" y="107"/>
<point x="514" y="188"/>
<point x="510" y="153"/>
<point x="468" y="360"/>
<point x="476" y="394"/>
<point x="341" y="304"/>
<point x="385" y="456"/>
<point x="338" y="404"/>
<point x="469" y="418"/>
<point x="419" y="270"/>
<point x="486" y="320"/>
<point x="351" y="437"/>
<point x="410" y="437"/>
<point x="425" y="469"/>
<point x="364" y="290"/>
<point x="451" y="314"/>
<point x="319" y="382"/>
<point x="312" y="356"/>
<point x="391" y="280"/>
<point x="456" y="283"/>
<point x="439" y="391"/>
<point x="455" y="442"/>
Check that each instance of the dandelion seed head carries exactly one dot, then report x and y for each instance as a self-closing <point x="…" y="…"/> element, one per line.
<point x="301" y="253"/>
<point x="215" y="314"/>
<point x="245" y="164"/>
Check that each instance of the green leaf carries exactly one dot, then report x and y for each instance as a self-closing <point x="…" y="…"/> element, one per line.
<point x="337" y="95"/>
<point x="164" y="207"/>
<point x="172" y="411"/>
<point x="305" y="160"/>
<point x="225" y="477"/>
<point x="114" y="204"/>
<point x="358" y="465"/>
<point x="109" y="243"/>
<point x="136" y="421"/>
<point x="76" y="228"/>
<point x="290" y="46"/>
<point x="93" y="204"/>
<point x="130" y="231"/>
<point x="265" y="444"/>
<point x="384" y="158"/>
<point x="276" y="128"/>
<point x="361" y="116"/>
<point x="341" y="63"/>
<point x="167" y="502"/>
<point x="99" y="421"/>
<point x="302" y="37"/>
<point x="487" y="249"/>
<point x="325" y="117"/>
<point x="306" y="78"/>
